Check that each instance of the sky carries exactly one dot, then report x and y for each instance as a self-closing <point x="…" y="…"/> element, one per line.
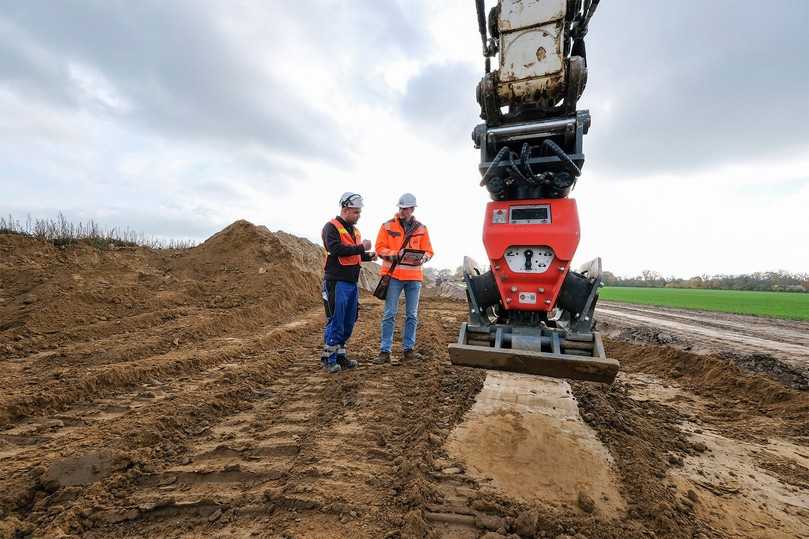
<point x="175" y="119"/>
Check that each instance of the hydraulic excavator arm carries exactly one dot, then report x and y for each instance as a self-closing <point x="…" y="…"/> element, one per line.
<point x="530" y="312"/>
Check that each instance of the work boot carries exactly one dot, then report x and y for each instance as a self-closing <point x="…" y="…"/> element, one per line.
<point x="326" y="354"/>
<point x="343" y="361"/>
<point x="346" y="363"/>
<point x="410" y="355"/>
<point x="332" y="368"/>
<point x="382" y="358"/>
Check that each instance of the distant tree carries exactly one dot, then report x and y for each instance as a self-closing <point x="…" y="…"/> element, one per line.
<point x="771" y="280"/>
<point x="609" y="278"/>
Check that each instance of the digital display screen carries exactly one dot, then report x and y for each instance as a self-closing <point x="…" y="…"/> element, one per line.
<point x="532" y="214"/>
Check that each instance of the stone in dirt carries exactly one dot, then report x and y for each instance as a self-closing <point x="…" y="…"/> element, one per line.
<point x="526" y="523"/>
<point x="488" y="522"/>
<point x="82" y="470"/>
<point x="586" y="503"/>
<point x="115" y="516"/>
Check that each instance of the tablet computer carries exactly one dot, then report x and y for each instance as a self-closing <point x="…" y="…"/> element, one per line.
<point x="412" y="257"/>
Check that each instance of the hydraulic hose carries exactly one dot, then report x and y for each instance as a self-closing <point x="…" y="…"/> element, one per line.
<point x="495" y="162"/>
<point x="560" y="153"/>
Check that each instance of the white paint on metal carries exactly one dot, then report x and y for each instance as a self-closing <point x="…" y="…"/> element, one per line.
<point x="531" y="49"/>
<point x="515" y="14"/>
<point x="532" y="52"/>
<point x="539" y="257"/>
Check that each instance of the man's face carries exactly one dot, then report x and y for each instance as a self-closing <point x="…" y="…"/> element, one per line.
<point x="406" y="213"/>
<point x="351" y="215"/>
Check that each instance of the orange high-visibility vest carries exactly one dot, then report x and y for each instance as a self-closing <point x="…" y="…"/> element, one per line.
<point x="347" y="239"/>
<point x="389" y="242"/>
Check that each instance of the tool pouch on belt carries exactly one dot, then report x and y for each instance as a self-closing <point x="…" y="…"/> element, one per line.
<point x="381" y="290"/>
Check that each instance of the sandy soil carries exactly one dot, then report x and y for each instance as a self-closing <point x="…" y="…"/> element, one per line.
<point x="178" y="394"/>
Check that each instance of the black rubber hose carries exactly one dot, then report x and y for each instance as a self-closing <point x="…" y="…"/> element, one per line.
<point x="560" y="153"/>
<point x="525" y="155"/>
<point x="515" y="170"/>
<point x="479" y="4"/>
<point x="495" y="162"/>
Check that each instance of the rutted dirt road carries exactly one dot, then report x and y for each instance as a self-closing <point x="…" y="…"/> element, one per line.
<point x="178" y="394"/>
<point x="785" y="341"/>
<point x="714" y="331"/>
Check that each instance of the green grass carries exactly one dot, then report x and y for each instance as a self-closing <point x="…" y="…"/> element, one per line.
<point x="788" y="305"/>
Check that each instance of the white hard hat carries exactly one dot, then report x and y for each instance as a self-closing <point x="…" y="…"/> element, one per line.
<point x="407" y="200"/>
<point x="351" y="200"/>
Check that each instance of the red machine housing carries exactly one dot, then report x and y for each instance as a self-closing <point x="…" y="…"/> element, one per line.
<point x="531" y="291"/>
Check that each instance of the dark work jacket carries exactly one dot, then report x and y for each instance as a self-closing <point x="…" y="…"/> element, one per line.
<point x="334" y="271"/>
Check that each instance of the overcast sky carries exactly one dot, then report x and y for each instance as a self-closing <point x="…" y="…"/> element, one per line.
<point x="176" y="118"/>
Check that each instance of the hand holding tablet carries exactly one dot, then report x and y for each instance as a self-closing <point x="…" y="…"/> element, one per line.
<point x="412" y="257"/>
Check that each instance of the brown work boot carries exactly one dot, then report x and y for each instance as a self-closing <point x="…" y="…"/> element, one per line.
<point x="382" y="358"/>
<point x="410" y="355"/>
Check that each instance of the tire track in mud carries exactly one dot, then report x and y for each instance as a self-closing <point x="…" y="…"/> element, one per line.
<point x="139" y="425"/>
<point x="140" y="361"/>
<point x="754" y="343"/>
<point x="309" y="455"/>
<point x="791" y="331"/>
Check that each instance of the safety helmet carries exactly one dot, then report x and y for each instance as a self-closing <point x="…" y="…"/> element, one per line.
<point x="351" y="200"/>
<point x="407" y="200"/>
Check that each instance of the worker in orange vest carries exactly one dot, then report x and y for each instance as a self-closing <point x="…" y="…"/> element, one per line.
<point x="405" y="277"/>
<point x="346" y="250"/>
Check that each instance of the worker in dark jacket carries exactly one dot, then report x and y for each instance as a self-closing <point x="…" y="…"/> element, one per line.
<point x="346" y="250"/>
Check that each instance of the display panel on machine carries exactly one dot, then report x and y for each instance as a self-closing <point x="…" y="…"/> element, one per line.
<point x="532" y="259"/>
<point x="539" y="214"/>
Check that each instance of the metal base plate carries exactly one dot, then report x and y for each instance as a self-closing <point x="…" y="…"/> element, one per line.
<point x="591" y="369"/>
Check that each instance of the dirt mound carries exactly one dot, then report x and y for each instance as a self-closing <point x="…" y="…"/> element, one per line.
<point x="79" y="305"/>
<point x="769" y="366"/>
<point x="648" y="335"/>
<point x="780" y="408"/>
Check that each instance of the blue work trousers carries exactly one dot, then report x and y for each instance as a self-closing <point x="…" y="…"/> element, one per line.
<point x="412" y="289"/>
<point x="342" y="300"/>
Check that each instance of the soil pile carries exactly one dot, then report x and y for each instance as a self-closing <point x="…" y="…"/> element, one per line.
<point x="780" y="409"/>
<point x="78" y="306"/>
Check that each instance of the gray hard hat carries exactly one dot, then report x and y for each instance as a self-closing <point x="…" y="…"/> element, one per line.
<point x="407" y="200"/>
<point x="351" y="200"/>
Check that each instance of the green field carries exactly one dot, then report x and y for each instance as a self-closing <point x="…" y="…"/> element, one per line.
<point x="788" y="305"/>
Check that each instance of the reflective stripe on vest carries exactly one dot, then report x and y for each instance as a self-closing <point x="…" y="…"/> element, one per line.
<point x="396" y="235"/>
<point x="347" y="239"/>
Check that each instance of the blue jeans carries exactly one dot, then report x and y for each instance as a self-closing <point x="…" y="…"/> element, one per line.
<point x="412" y="289"/>
<point x="341" y="300"/>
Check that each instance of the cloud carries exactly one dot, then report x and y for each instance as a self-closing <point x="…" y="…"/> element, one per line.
<point x="688" y="85"/>
<point x="172" y="63"/>
<point x="440" y="101"/>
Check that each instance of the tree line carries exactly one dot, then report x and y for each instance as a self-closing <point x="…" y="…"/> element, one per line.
<point x="779" y="281"/>
<point x="769" y="281"/>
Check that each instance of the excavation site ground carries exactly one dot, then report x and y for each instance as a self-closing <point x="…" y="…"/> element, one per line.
<point x="160" y="393"/>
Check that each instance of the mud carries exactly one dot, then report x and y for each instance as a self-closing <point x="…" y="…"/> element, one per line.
<point x="525" y="437"/>
<point x="178" y="394"/>
<point x="776" y="348"/>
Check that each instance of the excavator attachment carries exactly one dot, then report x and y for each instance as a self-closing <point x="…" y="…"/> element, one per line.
<point x="540" y="351"/>
<point x="564" y="345"/>
<point x="530" y="312"/>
